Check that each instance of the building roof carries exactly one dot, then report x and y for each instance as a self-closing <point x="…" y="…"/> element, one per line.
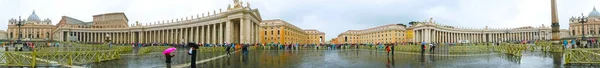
<point x="33" y="17"/>
<point x="73" y="21"/>
<point x="113" y="13"/>
<point x="594" y="14"/>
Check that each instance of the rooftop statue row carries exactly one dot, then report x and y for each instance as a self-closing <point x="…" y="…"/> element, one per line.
<point x="237" y="5"/>
<point x="432" y="22"/>
<point x="32" y="19"/>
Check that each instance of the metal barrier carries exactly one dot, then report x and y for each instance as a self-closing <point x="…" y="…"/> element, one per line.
<point x="408" y="48"/>
<point x="582" y="56"/>
<point x="15" y="59"/>
<point x="79" y="57"/>
<point x="62" y="55"/>
<point x="469" y="48"/>
<point x="149" y="49"/>
<point x="212" y="49"/>
<point x="515" y="50"/>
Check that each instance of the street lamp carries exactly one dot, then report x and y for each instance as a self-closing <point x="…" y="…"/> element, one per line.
<point x="19" y="24"/>
<point x="582" y="21"/>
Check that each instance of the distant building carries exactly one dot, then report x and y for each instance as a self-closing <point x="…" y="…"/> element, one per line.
<point x="237" y="24"/>
<point x="281" y="32"/>
<point x="386" y="34"/>
<point x="3" y="35"/>
<point x="429" y="31"/>
<point x="33" y="29"/>
<point x="591" y="28"/>
<point x="437" y="33"/>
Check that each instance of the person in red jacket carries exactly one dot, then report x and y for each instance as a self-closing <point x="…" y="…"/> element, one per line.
<point x="387" y="48"/>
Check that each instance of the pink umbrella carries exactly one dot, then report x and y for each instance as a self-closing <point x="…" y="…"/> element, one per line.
<point x="169" y="50"/>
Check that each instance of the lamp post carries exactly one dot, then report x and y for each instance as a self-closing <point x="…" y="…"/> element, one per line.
<point x="19" y="24"/>
<point x="583" y="20"/>
<point x="19" y="42"/>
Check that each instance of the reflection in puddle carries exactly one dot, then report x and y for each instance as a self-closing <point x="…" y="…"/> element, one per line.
<point x="351" y="59"/>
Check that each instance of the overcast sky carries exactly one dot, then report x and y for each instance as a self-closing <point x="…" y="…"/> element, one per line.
<point x="330" y="16"/>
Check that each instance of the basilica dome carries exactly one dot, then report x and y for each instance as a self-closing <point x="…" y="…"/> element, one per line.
<point x="594" y="14"/>
<point x="33" y="18"/>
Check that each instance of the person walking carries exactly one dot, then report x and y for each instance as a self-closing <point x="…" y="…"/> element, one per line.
<point x="432" y="47"/>
<point x="192" y="52"/>
<point x="227" y="48"/>
<point x="392" y="48"/>
<point x="245" y="49"/>
<point x="422" y="47"/>
<point x="387" y="48"/>
<point x="565" y="44"/>
<point x="168" y="57"/>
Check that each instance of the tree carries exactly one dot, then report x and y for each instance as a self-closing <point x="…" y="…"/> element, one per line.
<point x="401" y="25"/>
<point x="412" y="23"/>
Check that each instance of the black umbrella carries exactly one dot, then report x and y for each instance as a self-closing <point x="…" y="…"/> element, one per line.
<point x="194" y="45"/>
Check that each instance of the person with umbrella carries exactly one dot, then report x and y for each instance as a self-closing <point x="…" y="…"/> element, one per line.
<point x="227" y="48"/>
<point x="168" y="55"/>
<point x="423" y="47"/>
<point x="192" y="52"/>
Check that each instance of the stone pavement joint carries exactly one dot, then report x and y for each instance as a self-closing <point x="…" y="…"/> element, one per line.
<point x="201" y="61"/>
<point x="441" y="54"/>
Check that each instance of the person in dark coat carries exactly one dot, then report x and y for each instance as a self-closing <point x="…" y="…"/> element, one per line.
<point x="168" y="59"/>
<point x="245" y="49"/>
<point x="227" y="48"/>
<point x="192" y="52"/>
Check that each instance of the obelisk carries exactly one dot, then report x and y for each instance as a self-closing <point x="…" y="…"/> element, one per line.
<point x="555" y="26"/>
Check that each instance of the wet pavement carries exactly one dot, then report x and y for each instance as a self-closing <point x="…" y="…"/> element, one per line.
<point x="379" y="59"/>
<point x="351" y="58"/>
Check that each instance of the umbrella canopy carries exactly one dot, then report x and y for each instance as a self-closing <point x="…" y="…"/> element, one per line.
<point x="194" y="45"/>
<point x="169" y="50"/>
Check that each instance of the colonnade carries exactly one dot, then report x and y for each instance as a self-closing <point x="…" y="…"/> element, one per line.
<point x="480" y="36"/>
<point x="238" y="30"/>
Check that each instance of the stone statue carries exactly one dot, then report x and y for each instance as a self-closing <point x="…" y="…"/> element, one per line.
<point x="237" y="4"/>
<point x="248" y="4"/>
<point x="229" y="7"/>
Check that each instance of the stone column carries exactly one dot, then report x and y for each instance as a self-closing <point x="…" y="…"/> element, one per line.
<point x="179" y="35"/>
<point x="221" y="33"/>
<point x="196" y="34"/>
<point x="155" y="36"/>
<point x="202" y="34"/>
<point x="448" y="37"/>
<point x="121" y="37"/>
<point x="159" y="36"/>
<point x="166" y="34"/>
<point x="414" y="39"/>
<point x="257" y="33"/>
<point x="242" y="30"/>
<point x="141" y="36"/>
<point x="96" y="37"/>
<point x="185" y="35"/>
<point x="214" y="34"/>
<point x="228" y="27"/>
<point x="434" y="36"/>
<point x="115" y="37"/>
